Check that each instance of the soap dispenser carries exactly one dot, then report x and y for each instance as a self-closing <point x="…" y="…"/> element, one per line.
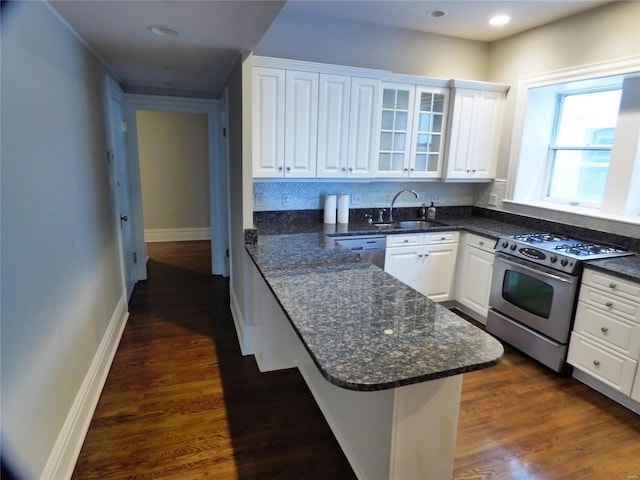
<point x="431" y="212"/>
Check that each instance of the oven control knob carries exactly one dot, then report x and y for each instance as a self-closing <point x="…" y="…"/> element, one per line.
<point x="564" y="262"/>
<point x="513" y="246"/>
<point x="505" y="244"/>
<point x="553" y="259"/>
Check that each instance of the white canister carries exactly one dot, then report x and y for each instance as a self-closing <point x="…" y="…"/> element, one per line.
<point x="343" y="209"/>
<point x="330" y="209"/>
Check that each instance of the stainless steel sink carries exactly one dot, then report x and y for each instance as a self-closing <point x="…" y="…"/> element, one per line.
<point x="416" y="224"/>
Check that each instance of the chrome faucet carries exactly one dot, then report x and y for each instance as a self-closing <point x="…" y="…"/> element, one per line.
<point x="394" y="201"/>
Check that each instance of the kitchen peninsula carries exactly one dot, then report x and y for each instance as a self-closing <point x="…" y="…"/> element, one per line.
<point x="383" y="362"/>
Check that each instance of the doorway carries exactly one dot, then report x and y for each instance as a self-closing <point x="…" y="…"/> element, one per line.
<point x="217" y="173"/>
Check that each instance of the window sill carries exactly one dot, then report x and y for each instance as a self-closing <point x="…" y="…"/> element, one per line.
<point x="581" y="211"/>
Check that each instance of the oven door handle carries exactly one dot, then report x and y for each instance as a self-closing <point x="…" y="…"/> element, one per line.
<point x="536" y="271"/>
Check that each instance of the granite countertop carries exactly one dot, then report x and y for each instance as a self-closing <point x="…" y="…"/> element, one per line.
<point x="364" y="329"/>
<point x="627" y="267"/>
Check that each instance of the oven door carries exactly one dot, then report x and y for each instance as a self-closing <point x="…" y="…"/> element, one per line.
<point x="535" y="296"/>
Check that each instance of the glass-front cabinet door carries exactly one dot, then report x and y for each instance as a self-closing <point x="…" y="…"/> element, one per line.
<point x="395" y="130"/>
<point x="412" y="125"/>
<point x="428" y="133"/>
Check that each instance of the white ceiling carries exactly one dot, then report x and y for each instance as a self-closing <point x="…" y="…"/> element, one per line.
<point x="212" y="32"/>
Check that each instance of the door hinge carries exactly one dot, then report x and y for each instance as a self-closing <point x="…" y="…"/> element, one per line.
<point x="135" y="257"/>
<point x="125" y="127"/>
<point x="224" y="132"/>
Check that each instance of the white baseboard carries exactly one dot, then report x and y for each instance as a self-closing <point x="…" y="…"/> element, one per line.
<point x="176" y="234"/>
<point x="245" y="333"/>
<point x="67" y="448"/>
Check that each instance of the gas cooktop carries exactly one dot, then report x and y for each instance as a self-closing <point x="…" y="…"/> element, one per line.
<point x="556" y="251"/>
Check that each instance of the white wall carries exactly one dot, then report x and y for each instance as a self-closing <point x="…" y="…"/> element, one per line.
<point x="318" y="39"/>
<point x="611" y="31"/>
<point x="61" y="274"/>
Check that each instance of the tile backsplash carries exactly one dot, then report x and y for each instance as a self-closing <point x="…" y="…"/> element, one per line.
<point x="309" y="195"/>
<point x="275" y="196"/>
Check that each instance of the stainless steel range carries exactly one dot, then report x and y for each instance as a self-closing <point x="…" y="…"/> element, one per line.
<point x="534" y="290"/>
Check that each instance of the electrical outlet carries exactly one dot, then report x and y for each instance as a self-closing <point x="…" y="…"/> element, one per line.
<point x="435" y="197"/>
<point x="356" y="199"/>
<point x="493" y="200"/>
<point x="286" y="200"/>
<point x="258" y="200"/>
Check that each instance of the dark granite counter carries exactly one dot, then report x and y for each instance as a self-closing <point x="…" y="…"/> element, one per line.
<point x="626" y="267"/>
<point x="364" y="329"/>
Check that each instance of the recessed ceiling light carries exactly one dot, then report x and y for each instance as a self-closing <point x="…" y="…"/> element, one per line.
<point x="499" y="20"/>
<point x="163" y="30"/>
<point x="436" y="13"/>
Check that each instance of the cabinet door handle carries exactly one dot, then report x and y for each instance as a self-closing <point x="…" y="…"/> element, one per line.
<point x="604" y="329"/>
<point x="420" y="255"/>
<point x="350" y="169"/>
<point x="288" y="169"/>
<point x="344" y="169"/>
<point x="609" y="304"/>
<point x="280" y="169"/>
<point x="596" y="363"/>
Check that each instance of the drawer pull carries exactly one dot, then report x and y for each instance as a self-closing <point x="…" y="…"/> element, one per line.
<point x="596" y="363"/>
<point x="481" y="243"/>
<point x="604" y="329"/>
<point x="406" y="240"/>
<point x="609" y="304"/>
<point x="612" y="285"/>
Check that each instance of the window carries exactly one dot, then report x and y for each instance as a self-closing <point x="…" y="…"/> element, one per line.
<point x="580" y="151"/>
<point x="575" y="141"/>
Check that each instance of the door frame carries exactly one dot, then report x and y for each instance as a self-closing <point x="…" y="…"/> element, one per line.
<point x="119" y="179"/>
<point x="218" y="203"/>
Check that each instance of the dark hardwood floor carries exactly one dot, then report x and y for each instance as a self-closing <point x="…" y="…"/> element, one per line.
<point x="181" y="402"/>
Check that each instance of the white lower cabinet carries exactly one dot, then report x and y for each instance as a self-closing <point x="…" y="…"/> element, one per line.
<point x="424" y="261"/>
<point x="473" y="275"/>
<point x="605" y="342"/>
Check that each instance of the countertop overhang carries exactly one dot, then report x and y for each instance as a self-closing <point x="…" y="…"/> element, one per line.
<point x="364" y="329"/>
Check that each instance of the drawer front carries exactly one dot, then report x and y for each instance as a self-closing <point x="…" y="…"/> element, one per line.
<point x="611" y="303"/>
<point x="614" y="332"/>
<point x="624" y="288"/>
<point x="609" y="367"/>
<point x="442" y="237"/>
<point x="478" y="241"/>
<point x="405" y="240"/>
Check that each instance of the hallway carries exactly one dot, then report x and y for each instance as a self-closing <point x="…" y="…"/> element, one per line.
<point x="181" y="402"/>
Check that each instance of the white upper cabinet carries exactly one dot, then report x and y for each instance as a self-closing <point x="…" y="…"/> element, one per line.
<point x="301" y="124"/>
<point x="284" y="101"/>
<point x="411" y="131"/>
<point x="347" y="121"/>
<point x="474" y="131"/>
<point x="268" y="122"/>
<point x="427" y="145"/>
<point x="395" y="130"/>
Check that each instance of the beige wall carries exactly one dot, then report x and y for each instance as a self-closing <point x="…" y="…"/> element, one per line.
<point x="174" y="169"/>
<point x="324" y="40"/>
<point x="611" y="31"/>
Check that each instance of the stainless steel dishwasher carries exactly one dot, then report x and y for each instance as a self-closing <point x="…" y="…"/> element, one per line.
<point x="369" y="248"/>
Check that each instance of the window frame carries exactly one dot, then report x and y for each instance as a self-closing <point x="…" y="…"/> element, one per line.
<point x="554" y="147"/>
<point x="527" y="156"/>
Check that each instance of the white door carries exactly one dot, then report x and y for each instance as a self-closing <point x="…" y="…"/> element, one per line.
<point x="118" y="156"/>
<point x="301" y="124"/>
<point x="438" y="272"/>
<point x="405" y="264"/>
